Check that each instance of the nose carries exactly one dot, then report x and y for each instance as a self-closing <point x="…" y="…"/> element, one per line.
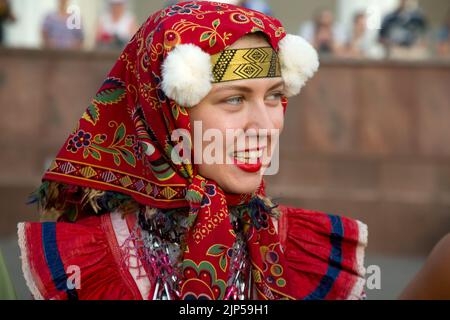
<point x="258" y="116"/>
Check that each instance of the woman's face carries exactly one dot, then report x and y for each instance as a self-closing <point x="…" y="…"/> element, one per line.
<point x="117" y="9"/>
<point x="253" y="110"/>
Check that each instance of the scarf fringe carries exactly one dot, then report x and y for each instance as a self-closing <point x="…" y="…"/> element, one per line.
<point x="267" y="205"/>
<point x="56" y="200"/>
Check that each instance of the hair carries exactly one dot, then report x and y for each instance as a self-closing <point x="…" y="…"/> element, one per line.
<point x="358" y="15"/>
<point x="258" y="34"/>
<point x="255" y="36"/>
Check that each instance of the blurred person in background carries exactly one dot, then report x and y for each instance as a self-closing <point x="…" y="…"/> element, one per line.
<point x="55" y="31"/>
<point x="402" y="32"/>
<point x="358" y="44"/>
<point x="432" y="282"/>
<point x="326" y="37"/>
<point x="258" y="5"/>
<point x="361" y="43"/>
<point x="443" y="47"/>
<point x="6" y="15"/>
<point x="7" y="291"/>
<point x="116" y="26"/>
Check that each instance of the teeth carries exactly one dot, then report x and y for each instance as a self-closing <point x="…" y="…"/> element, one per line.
<point x="248" y="156"/>
<point x="241" y="159"/>
<point x="256" y="154"/>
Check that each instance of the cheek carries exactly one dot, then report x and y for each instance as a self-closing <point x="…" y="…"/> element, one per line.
<point x="217" y="119"/>
<point x="277" y="117"/>
<point x="208" y="125"/>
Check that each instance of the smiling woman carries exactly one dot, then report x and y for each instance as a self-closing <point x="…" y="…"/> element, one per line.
<point x="141" y="220"/>
<point x="249" y="105"/>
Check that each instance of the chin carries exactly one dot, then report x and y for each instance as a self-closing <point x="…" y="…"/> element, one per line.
<point x="242" y="183"/>
<point x="232" y="179"/>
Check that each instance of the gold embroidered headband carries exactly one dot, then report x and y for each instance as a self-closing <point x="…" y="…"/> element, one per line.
<point x="188" y="72"/>
<point x="241" y="64"/>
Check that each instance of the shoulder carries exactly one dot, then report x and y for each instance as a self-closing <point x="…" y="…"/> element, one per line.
<point x="326" y="251"/>
<point x="49" y="18"/>
<point x="442" y="34"/>
<point x="331" y="225"/>
<point x="95" y="246"/>
<point x="433" y="280"/>
<point x="390" y="19"/>
<point x="128" y="16"/>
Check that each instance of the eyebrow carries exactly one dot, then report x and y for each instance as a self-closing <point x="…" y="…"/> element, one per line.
<point x="245" y="88"/>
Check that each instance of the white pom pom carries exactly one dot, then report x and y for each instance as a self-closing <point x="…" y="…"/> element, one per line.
<point x="299" y="61"/>
<point x="186" y="75"/>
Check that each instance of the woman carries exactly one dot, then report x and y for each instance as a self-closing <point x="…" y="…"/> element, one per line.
<point x="55" y="31"/>
<point x="6" y="15"/>
<point x="443" y="45"/>
<point x="142" y="212"/>
<point x="116" y="26"/>
<point x="432" y="282"/>
<point x="325" y="35"/>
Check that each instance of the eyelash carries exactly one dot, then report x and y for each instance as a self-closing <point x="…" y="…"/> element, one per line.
<point x="277" y="95"/>
<point x="229" y="101"/>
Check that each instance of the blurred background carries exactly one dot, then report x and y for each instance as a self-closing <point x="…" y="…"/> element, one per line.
<point x="368" y="138"/>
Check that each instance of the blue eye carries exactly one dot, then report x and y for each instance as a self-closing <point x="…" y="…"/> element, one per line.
<point x="274" y="99"/>
<point x="275" y="96"/>
<point x="235" y="100"/>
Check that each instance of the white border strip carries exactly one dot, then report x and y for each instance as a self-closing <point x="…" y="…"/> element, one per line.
<point x="25" y="263"/>
<point x="358" y="288"/>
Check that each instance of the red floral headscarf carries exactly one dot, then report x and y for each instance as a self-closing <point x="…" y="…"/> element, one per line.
<point x="123" y="143"/>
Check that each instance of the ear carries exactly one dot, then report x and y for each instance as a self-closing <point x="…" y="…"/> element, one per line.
<point x="299" y="62"/>
<point x="187" y="75"/>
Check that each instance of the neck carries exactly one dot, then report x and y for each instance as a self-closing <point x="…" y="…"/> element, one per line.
<point x="62" y="11"/>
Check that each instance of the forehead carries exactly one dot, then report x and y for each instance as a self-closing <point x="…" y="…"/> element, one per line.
<point x="253" y="40"/>
<point x="248" y="85"/>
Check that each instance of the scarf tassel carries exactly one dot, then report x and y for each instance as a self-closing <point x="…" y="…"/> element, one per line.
<point x="57" y="199"/>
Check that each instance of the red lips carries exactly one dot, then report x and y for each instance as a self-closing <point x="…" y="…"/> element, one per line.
<point x="249" y="167"/>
